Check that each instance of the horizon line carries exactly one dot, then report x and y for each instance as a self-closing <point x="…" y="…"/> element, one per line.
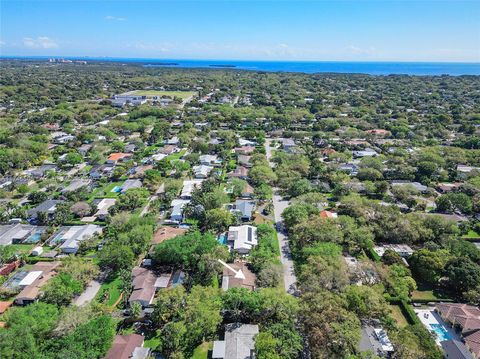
<point x="218" y="59"/>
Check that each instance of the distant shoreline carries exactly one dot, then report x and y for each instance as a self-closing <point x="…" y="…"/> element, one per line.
<point x="308" y="67"/>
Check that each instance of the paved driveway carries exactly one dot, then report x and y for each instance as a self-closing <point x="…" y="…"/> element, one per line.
<point x="89" y="293"/>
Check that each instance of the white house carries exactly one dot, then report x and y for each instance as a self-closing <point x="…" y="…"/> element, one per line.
<point x="242" y="238"/>
<point x="76" y="234"/>
<point x="202" y="171"/>
<point x="189" y="186"/>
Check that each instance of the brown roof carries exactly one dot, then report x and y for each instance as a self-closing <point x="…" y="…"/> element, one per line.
<point x="248" y="189"/>
<point x="140" y="171"/>
<point x="4" y="306"/>
<point x="31" y="292"/>
<point x="472" y="341"/>
<point x="229" y="280"/>
<point x="9" y="268"/>
<point x="168" y="149"/>
<point x="124" y="345"/>
<point x="143" y="285"/>
<point x="166" y="232"/>
<point x="464" y="315"/>
<point x="244" y="150"/>
<point x="240" y="171"/>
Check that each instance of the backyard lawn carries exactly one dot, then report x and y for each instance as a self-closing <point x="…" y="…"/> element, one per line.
<point x="201" y="352"/>
<point x="105" y="191"/>
<point x="396" y="313"/>
<point x="176" y="156"/>
<point x="110" y="292"/>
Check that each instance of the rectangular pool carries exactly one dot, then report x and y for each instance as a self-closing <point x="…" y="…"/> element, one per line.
<point x="441" y="332"/>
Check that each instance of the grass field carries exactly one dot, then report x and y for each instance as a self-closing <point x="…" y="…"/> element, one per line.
<point x="471" y="234"/>
<point x="396" y="313"/>
<point x="111" y="290"/>
<point x="176" y="156"/>
<point x="182" y="94"/>
<point x="201" y="352"/>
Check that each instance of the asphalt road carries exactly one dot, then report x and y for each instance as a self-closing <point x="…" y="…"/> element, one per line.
<point x="279" y="205"/>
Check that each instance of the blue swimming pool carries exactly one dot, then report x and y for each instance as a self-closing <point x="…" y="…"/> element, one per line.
<point x="222" y="238"/>
<point x="34" y="238"/>
<point x="117" y="189"/>
<point x="441" y="331"/>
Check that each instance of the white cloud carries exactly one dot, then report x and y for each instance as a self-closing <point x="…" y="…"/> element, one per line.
<point x="115" y="18"/>
<point x="41" y="42"/>
<point x="2" y="43"/>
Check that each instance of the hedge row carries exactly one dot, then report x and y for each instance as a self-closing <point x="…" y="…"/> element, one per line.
<point x="373" y="255"/>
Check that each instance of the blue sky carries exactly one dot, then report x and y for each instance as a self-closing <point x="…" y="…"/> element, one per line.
<point x="245" y="29"/>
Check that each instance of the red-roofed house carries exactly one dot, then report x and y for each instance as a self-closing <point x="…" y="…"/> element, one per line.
<point x="116" y="157"/>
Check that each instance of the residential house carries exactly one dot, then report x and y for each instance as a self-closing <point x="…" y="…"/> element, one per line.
<point x="417" y="185"/>
<point x="210" y="160"/>
<point x="379" y="132"/>
<point x="177" y="206"/>
<point x="173" y="141"/>
<point x="99" y="171"/>
<point x="102" y="207"/>
<point x="239" y="172"/>
<point x="42" y="171"/>
<point x="230" y="279"/>
<point x="34" y="280"/>
<point x="245" y="208"/>
<point x="118" y="157"/>
<point x="49" y="207"/>
<point x="244" y="161"/>
<point x="350" y="168"/>
<point x="464" y="171"/>
<point x="128" y="347"/>
<point x="64" y="139"/>
<point x="244" y="142"/>
<point x="19" y="233"/>
<point x="368" y="152"/>
<point x="247" y="191"/>
<point x="244" y="150"/>
<point x="76" y="185"/>
<point x="143" y="286"/>
<point x="466" y="319"/>
<point x="288" y="145"/>
<point x="448" y="187"/>
<point x="83" y="149"/>
<point x="130" y="184"/>
<point x="202" y="171"/>
<point x="455" y="349"/>
<point x="238" y="343"/>
<point x="74" y="235"/>
<point x="189" y="186"/>
<point x="403" y="250"/>
<point x="375" y="340"/>
<point x="130" y="148"/>
<point x="168" y="150"/>
<point x="242" y="238"/>
<point x="328" y="214"/>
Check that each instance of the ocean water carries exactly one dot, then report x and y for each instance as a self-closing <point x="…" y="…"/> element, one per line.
<point x="372" y="68"/>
